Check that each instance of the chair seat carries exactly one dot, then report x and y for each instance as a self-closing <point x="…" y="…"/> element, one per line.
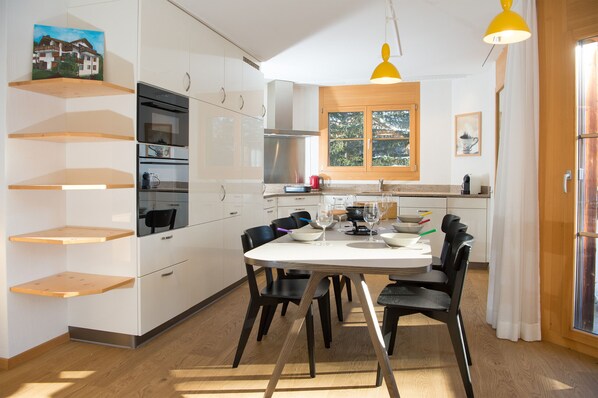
<point x="292" y="289"/>
<point x="432" y="277"/>
<point x="297" y="273"/>
<point x="413" y="297"/>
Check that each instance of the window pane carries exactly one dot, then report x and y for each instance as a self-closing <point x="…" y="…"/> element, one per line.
<point x="345" y="125"/>
<point x="586" y="299"/>
<point x="390" y="153"/>
<point x="390" y="133"/>
<point x="390" y="124"/>
<point x="345" y="153"/>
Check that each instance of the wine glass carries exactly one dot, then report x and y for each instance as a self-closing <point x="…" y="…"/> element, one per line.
<point x="384" y="204"/>
<point x="325" y="218"/>
<point x="371" y="215"/>
<point x="339" y="210"/>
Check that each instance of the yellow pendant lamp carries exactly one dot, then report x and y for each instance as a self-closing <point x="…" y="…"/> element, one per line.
<point x="385" y="72"/>
<point x="507" y="27"/>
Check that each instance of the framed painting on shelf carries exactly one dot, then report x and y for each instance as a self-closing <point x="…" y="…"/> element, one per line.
<point x="67" y="52"/>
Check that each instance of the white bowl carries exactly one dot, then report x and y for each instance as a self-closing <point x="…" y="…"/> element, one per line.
<point x="315" y="225"/>
<point x="408" y="227"/>
<point x="306" y="236"/>
<point x="400" y="239"/>
<point x="410" y="218"/>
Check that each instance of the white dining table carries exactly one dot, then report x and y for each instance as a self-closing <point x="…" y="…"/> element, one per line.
<point x="352" y="256"/>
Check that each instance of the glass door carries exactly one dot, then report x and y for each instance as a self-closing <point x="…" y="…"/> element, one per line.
<point x="586" y="280"/>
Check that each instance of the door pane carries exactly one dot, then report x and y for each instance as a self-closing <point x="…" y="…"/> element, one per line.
<point x="586" y="300"/>
<point x="390" y="138"/>
<point x="345" y="138"/>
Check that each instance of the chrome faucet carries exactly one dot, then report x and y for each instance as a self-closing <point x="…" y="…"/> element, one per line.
<point x="381" y="185"/>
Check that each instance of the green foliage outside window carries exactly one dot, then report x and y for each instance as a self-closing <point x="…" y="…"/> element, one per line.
<point x="345" y="135"/>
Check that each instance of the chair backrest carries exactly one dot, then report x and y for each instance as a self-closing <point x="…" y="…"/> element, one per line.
<point x="285" y="222"/>
<point x="250" y="239"/>
<point x="458" y="262"/>
<point x="301" y="214"/>
<point x="448" y="224"/>
<point x="160" y="218"/>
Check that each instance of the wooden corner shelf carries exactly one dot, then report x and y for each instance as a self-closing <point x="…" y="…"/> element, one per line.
<point x="71" y="88"/>
<point x="71" y="136"/>
<point x="72" y="284"/>
<point x="70" y="235"/>
<point x="78" y="179"/>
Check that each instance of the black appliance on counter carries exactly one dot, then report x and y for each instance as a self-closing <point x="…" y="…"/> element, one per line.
<point x="355" y="214"/>
<point x="465" y="186"/>
<point x="162" y="186"/>
<point x="162" y="116"/>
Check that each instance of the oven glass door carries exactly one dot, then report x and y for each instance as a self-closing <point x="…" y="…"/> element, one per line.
<point x="162" y="123"/>
<point x="162" y="184"/>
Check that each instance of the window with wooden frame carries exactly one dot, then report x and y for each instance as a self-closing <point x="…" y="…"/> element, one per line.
<point x="370" y="132"/>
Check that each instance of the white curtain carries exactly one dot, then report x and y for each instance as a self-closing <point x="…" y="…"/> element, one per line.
<point x="513" y="307"/>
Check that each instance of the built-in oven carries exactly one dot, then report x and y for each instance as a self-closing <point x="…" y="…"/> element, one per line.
<point x="162" y="188"/>
<point x="162" y="116"/>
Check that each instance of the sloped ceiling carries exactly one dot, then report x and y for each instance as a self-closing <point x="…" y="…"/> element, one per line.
<point x="333" y="42"/>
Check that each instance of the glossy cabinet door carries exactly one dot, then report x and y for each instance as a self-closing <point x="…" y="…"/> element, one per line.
<point x="206" y="189"/>
<point x="253" y="91"/>
<point x="473" y="213"/>
<point x="158" y="251"/>
<point x="207" y="65"/>
<point x="416" y="205"/>
<point x="164" y="46"/>
<point x="233" y="268"/>
<point x="233" y="77"/>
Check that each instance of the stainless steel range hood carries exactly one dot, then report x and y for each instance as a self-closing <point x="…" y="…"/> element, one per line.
<point x="279" y="121"/>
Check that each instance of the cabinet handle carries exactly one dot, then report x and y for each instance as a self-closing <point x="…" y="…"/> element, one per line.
<point x="263" y="110"/>
<point x="242" y="102"/>
<point x="168" y="273"/>
<point x="299" y="198"/>
<point x="223" y="91"/>
<point x="167" y="237"/>
<point x="233" y="213"/>
<point x="188" y="81"/>
<point x="173" y="205"/>
<point x="223" y="191"/>
<point x="300" y="208"/>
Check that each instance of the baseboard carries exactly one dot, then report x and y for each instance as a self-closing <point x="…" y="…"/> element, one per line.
<point x="34" y="352"/>
<point x="476" y="265"/>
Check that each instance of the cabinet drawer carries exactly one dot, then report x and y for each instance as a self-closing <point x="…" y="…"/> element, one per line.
<point x="166" y="293"/>
<point x="161" y="250"/>
<point x="467" y="203"/>
<point x="286" y="211"/>
<point x="232" y="210"/>
<point x="311" y="200"/>
<point x="269" y="202"/>
<point x="422" y="203"/>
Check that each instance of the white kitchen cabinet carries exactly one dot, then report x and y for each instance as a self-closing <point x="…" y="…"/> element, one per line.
<point x="473" y="213"/>
<point x="164" y="51"/>
<point x="158" y="251"/>
<point x="416" y="205"/>
<point x="207" y="65"/>
<point x="270" y="210"/>
<point x="253" y="89"/>
<point x="291" y="204"/>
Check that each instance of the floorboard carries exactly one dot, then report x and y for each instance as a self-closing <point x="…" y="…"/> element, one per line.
<point x="194" y="359"/>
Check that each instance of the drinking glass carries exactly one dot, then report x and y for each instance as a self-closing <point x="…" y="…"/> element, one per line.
<point x="325" y="217"/>
<point x="371" y="215"/>
<point x="339" y="210"/>
<point x="385" y="202"/>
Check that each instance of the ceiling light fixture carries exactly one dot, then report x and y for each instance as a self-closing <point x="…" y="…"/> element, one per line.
<point x="385" y="72"/>
<point x="507" y="27"/>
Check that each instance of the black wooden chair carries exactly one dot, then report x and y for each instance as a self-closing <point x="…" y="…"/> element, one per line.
<point x="298" y="215"/>
<point x="400" y="300"/>
<point x="447" y="220"/>
<point x="160" y="218"/>
<point x="438" y="279"/>
<point x="337" y="283"/>
<point x="276" y="292"/>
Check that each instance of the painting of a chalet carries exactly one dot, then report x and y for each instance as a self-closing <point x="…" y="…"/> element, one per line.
<point x="66" y="52"/>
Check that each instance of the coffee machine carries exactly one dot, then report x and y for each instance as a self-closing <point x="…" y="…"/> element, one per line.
<point x="466" y="185"/>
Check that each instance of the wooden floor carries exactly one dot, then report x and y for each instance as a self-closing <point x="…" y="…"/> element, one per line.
<point x="194" y="359"/>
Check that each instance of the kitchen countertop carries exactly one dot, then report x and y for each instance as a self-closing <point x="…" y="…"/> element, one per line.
<point x="393" y="193"/>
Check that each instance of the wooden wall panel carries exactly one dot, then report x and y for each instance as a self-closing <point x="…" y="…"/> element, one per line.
<point x="561" y="24"/>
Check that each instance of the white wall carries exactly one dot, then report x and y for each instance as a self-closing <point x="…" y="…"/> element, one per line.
<point x="440" y="100"/>
<point x="476" y="94"/>
<point x="3" y="285"/>
<point x="31" y="320"/>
